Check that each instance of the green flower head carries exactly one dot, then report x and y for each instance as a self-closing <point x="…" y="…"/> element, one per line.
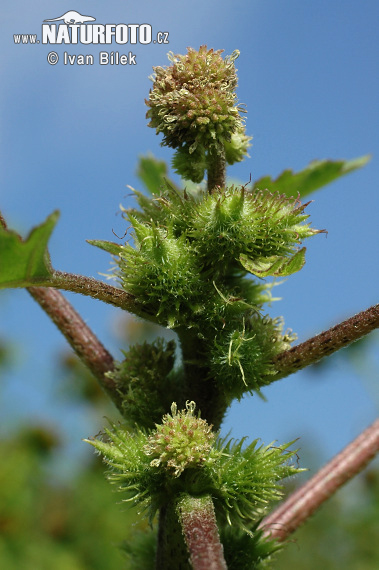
<point x="182" y="440"/>
<point x="193" y="103"/>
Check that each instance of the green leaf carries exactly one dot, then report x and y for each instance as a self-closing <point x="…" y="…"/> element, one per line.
<point x="108" y="246"/>
<point x="275" y="265"/>
<point x="317" y="174"/>
<point x="153" y="173"/>
<point x="26" y="262"/>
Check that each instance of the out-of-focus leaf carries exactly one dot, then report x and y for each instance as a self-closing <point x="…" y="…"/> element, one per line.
<point x="153" y="173"/>
<point x="26" y="262"/>
<point x="317" y="174"/>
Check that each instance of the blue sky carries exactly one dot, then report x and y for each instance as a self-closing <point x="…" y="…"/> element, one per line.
<point x="70" y="140"/>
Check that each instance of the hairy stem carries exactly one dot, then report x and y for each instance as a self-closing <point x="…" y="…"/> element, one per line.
<point x="204" y="391"/>
<point x="216" y="170"/>
<point x="172" y="551"/>
<point x="98" y="290"/>
<point x="199" y="527"/>
<point x="284" y="520"/>
<point x="93" y="288"/>
<point x="324" y="344"/>
<point x="80" y="337"/>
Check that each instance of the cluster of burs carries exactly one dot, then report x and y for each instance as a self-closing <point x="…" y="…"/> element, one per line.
<point x="197" y="264"/>
<point x="190" y="267"/>
<point x="195" y="252"/>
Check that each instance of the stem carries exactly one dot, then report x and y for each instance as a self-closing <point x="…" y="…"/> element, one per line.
<point x="327" y="342"/>
<point x="3" y="223"/>
<point x="302" y="503"/>
<point x="172" y="551"/>
<point x="188" y="535"/>
<point x="98" y="290"/>
<point x="80" y="337"/>
<point x="198" y="522"/>
<point x="209" y="398"/>
<point x="216" y="169"/>
<point x="93" y="288"/>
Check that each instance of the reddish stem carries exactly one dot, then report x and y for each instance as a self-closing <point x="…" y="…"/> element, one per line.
<point x="284" y="520"/>
<point x="98" y="290"/>
<point x="86" y="345"/>
<point x="327" y="342"/>
<point x="216" y="170"/>
<point x="198" y="521"/>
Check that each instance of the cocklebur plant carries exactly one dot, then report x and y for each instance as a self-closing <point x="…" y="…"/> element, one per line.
<point x="197" y="264"/>
<point x="183" y="460"/>
<point x="193" y="104"/>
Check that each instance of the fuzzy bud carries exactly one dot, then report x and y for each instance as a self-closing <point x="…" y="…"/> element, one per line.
<point x="193" y="103"/>
<point x="180" y="441"/>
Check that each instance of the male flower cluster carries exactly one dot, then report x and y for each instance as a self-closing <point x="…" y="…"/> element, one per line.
<point x="182" y="440"/>
<point x="193" y="103"/>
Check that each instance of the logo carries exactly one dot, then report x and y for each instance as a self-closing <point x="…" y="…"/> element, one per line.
<point x="73" y="28"/>
<point x="72" y="17"/>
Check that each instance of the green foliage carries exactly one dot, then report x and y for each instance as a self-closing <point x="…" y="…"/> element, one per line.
<point x="140" y="552"/>
<point x="242" y="359"/>
<point x="247" y="551"/>
<point x="275" y="265"/>
<point x="189" y="268"/>
<point x="317" y="174"/>
<point x="186" y="457"/>
<point x="162" y="273"/>
<point x="245" y="479"/>
<point x="46" y="524"/>
<point x="190" y="166"/>
<point x="195" y="265"/>
<point x="175" y="235"/>
<point x="147" y="382"/>
<point x="152" y="172"/>
<point x="108" y="246"/>
<point x="130" y="467"/>
<point x="236" y="224"/>
<point x="25" y="262"/>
